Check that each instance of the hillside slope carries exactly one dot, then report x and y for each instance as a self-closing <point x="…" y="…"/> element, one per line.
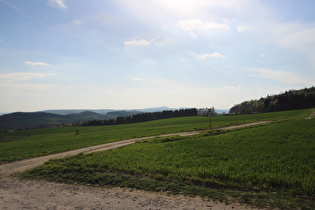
<point x="290" y="100"/>
<point x="22" y="120"/>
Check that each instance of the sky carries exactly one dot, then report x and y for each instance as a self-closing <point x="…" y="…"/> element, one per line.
<point x="123" y="54"/>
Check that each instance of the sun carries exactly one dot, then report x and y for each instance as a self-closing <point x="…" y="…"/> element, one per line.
<point x="179" y="5"/>
<point x="188" y="8"/>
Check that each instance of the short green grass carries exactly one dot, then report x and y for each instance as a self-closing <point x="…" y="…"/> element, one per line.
<point x="271" y="165"/>
<point x="38" y="142"/>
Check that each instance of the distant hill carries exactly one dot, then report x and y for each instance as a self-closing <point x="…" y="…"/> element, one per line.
<point x="76" y="111"/>
<point x="157" y="109"/>
<point x="106" y="111"/>
<point x="85" y="115"/>
<point x="22" y="120"/>
<point x="290" y="100"/>
<point x="143" y="117"/>
<point x="122" y="113"/>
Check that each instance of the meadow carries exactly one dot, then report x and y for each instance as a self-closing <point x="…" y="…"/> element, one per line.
<point x="24" y="144"/>
<point x="270" y="165"/>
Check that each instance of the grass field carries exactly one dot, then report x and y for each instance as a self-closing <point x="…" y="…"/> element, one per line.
<point x="38" y="142"/>
<point x="271" y="165"/>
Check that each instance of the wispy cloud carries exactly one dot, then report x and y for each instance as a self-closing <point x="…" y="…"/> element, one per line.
<point x="36" y="63"/>
<point x="22" y="76"/>
<point x="108" y="18"/>
<point x="139" y="42"/>
<point x="57" y="3"/>
<point x="196" y="25"/>
<point x="134" y="42"/>
<point x="76" y="22"/>
<point x="213" y="55"/>
<point x="231" y="87"/>
<point x="20" y="12"/>
<point x="22" y="81"/>
<point x="102" y="18"/>
<point x="296" y="36"/>
<point x="241" y="28"/>
<point x="289" y="78"/>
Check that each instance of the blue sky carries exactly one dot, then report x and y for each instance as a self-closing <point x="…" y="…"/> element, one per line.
<point x="120" y="54"/>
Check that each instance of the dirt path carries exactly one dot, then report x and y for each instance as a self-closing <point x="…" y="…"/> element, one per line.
<point x="23" y="165"/>
<point x="30" y="194"/>
<point x="310" y="116"/>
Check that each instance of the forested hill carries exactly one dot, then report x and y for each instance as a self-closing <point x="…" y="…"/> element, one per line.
<point x="143" y="117"/>
<point x="290" y="100"/>
<point x="22" y="120"/>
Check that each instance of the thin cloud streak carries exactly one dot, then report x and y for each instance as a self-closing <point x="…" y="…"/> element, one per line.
<point x="213" y="55"/>
<point x="231" y="87"/>
<point x="23" y="76"/>
<point x="284" y="77"/>
<point x="194" y="26"/>
<point x="198" y="25"/>
<point x="57" y="3"/>
<point x="22" y="82"/>
<point x="36" y="63"/>
<point x="137" y="43"/>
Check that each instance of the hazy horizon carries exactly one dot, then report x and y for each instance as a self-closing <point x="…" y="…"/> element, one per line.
<point x="93" y="110"/>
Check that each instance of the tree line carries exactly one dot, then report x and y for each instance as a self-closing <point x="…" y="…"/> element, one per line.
<point x="290" y="100"/>
<point x="143" y="117"/>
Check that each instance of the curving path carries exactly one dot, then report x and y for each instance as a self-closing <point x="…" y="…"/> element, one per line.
<point x="23" y="165"/>
<point x="310" y="116"/>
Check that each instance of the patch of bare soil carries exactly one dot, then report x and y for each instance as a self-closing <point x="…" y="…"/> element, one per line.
<point x="30" y="194"/>
<point x="34" y="194"/>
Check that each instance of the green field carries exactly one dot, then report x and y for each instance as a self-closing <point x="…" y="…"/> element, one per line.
<point x="38" y="142"/>
<point x="271" y="165"/>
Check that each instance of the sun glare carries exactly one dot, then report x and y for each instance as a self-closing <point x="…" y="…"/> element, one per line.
<point x="178" y="3"/>
<point x="181" y="6"/>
